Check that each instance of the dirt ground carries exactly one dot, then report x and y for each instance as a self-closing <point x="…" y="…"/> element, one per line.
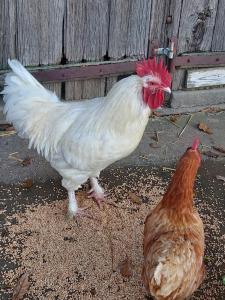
<point x="99" y="258"/>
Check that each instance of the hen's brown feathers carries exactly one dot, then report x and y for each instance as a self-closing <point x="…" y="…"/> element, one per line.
<point x="174" y="238"/>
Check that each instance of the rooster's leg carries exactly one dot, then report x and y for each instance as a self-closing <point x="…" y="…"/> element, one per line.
<point x="96" y="191"/>
<point x="73" y="209"/>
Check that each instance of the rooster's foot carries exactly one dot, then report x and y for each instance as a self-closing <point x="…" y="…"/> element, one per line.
<point x="99" y="197"/>
<point x="80" y="212"/>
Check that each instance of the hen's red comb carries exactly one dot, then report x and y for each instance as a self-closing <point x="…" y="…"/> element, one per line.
<point x="195" y="144"/>
<point x="152" y="67"/>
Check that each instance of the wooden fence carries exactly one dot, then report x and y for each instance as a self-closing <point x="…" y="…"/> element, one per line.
<point x="58" y="32"/>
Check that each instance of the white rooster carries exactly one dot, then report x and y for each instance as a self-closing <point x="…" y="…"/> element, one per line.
<point x="80" y="139"/>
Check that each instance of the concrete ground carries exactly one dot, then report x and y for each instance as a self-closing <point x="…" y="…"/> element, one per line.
<point x="156" y="155"/>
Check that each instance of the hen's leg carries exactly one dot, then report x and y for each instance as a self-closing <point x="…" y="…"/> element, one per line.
<point x="96" y="191"/>
<point x="73" y="209"/>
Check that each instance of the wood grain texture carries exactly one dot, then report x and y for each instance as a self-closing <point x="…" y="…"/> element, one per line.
<point x="86" y="38"/>
<point x="118" y="26"/>
<point x="218" y="43"/>
<point x="73" y="90"/>
<point x="196" y="25"/>
<point x="86" y="30"/>
<point x="7" y="31"/>
<point x="158" y="27"/>
<point x="74" y="30"/>
<point x="178" y="79"/>
<point x="39" y="31"/>
<point x="93" y="88"/>
<point x="175" y="13"/>
<point x="51" y="31"/>
<point x="128" y="29"/>
<point x="205" y="77"/>
<point x="27" y="38"/>
<point x="55" y="87"/>
<point x="138" y="28"/>
<point x="110" y="81"/>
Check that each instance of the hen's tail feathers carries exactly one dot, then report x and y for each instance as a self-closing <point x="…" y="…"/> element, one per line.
<point x="29" y="106"/>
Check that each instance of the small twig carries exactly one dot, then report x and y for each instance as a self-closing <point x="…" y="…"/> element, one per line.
<point x="183" y="129"/>
<point x="15" y="158"/>
<point x="13" y="153"/>
<point x="170" y="169"/>
<point x="8" y="133"/>
<point x="157" y="136"/>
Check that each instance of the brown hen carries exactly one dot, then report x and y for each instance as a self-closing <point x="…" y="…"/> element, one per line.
<point x="174" y="237"/>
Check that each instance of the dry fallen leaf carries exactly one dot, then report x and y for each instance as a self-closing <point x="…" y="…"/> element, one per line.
<point x="174" y="118"/>
<point x="126" y="268"/>
<point x="220" y="177"/>
<point x="134" y="198"/>
<point x="210" y="154"/>
<point x="219" y="149"/>
<point x="28" y="183"/>
<point x="26" y="162"/>
<point x="21" y="287"/>
<point x="203" y="127"/>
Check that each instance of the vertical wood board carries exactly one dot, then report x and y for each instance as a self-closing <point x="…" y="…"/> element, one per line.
<point x="218" y="43"/>
<point x="196" y="25"/>
<point x="87" y="26"/>
<point x="7" y="31"/>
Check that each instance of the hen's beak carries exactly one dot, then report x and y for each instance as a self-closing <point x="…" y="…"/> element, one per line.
<point x="167" y="89"/>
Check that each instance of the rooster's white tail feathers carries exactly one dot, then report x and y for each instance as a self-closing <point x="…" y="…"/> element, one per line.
<point x="30" y="107"/>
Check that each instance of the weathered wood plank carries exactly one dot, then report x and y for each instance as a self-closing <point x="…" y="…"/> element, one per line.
<point x="158" y="26"/>
<point x="205" y="77"/>
<point x="196" y="25"/>
<point x="73" y="90"/>
<point x="178" y="79"/>
<point x="110" y="81"/>
<point x="51" y="31"/>
<point x="93" y="88"/>
<point x="74" y="30"/>
<point x="7" y="31"/>
<point x="55" y="87"/>
<point x="118" y="26"/>
<point x="39" y="34"/>
<point x="175" y="14"/>
<point x="28" y="26"/>
<point x="138" y="28"/>
<point x="218" y="43"/>
<point x="87" y="29"/>
<point x="128" y="29"/>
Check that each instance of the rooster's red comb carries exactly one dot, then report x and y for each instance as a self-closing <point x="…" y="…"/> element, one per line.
<point x="152" y="67"/>
<point x="195" y="144"/>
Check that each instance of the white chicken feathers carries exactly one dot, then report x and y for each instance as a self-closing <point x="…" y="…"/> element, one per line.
<point x="82" y="138"/>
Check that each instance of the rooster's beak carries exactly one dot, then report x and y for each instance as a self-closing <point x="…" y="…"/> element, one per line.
<point x="167" y="89"/>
